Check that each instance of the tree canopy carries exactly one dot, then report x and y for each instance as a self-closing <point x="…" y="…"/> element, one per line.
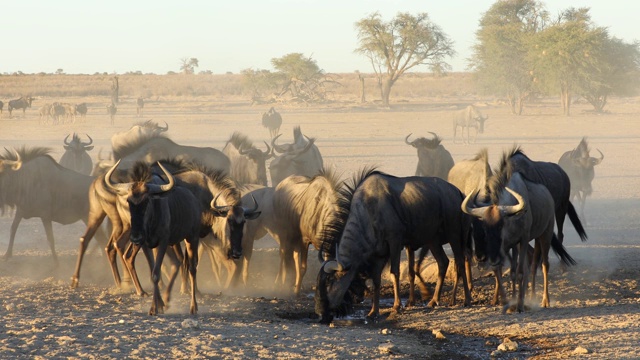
<point x="401" y="44"/>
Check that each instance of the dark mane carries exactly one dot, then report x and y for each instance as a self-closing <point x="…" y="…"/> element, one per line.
<point x="498" y="181"/>
<point x="297" y="133"/>
<point x="129" y="147"/>
<point x="26" y="154"/>
<point x="482" y="155"/>
<point x="240" y="141"/>
<point x="140" y="172"/>
<point x="333" y="231"/>
<point x="582" y="150"/>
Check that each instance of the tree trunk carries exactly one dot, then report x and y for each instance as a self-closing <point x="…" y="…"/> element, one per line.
<point x="565" y="99"/>
<point x="362" y="99"/>
<point x="386" y="91"/>
<point x="512" y="103"/>
<point x="115" y="88"/>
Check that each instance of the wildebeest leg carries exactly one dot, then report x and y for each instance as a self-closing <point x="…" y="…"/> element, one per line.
<point x="461" y="262"/>
<point x="394" y="268"/>
<point x="412" y="277"/>
<point x="534" y="266"/>
<point x="129" y="258"/>
<point x="192" y="259"/>
<point x="174" y="254"/>
<point x="522" y="274"/>
<point x="582" y="198"/>
<point x="300" y="260"/>
<point x="12" y="235"/>
<point x="545" y="244"/>
<point x="157" y="305"/>
<point x="92" y="225"/>
<point x="424" y="290"/>
<point x="48" y="229"/>
<point x="376" y="268"/>
<point x="499" y="295"/>
<point x="443" y="264"/>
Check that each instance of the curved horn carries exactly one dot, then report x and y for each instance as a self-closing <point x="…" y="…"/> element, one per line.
<point x="473" y="210"/>
<point x="277" y="148"/>
<point x="120" y="188"/>
<point x="244" y="152"/>
<point x="306" y="148"/>
<point x="513" y="209"/>
<point x="168" y="186"/>
<point x="268" y="152"/>
<point x="255" y="206"/>
<point x="219" y="208"/>
<point x="65" y="140"/>
<point x="165" y="128"/>
<point x="90" y="141"/>
<point x="435" y="136"/>
<point x="332" y="266"/>
<point x="406" y="140"/>
<point x="14" y="164"/>
<point x="598" y="161"/>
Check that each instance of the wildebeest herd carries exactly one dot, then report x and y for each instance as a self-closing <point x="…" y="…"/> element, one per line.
<point x="157" y="193"/>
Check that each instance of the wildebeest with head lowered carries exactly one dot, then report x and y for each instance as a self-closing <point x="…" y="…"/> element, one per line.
<point x="162" y="215"/>
<point x="380" y="215"/>
<point x="248" y="163"/>
<point x="301" y="157"/>
<point x="23" y="103"/>
<point x="578" y="165"/>
<point x="75" y="156"/>
<point x="433" y="158"/>
<point x="37" y="186"/>
<point x="469" y="117"/>
<point x="557" y="182"/>
<point x="519" y="210"/>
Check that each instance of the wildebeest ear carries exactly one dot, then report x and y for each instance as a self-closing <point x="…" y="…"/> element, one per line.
<point x="252" y="216"/>
<point x="88" y="148"/>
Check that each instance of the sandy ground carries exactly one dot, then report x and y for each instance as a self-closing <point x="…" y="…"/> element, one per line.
<point x="594" y="305"/>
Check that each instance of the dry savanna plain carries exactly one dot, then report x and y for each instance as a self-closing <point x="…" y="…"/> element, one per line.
<point x="595" y="305"/>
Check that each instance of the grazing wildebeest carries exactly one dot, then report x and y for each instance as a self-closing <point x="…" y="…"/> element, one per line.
<point x="154" y="147"/>
<point x="23" y="103"/>
<point x="433" y="158"/>
<point x="303" y="206"/>
<point x="248" y="163"/>
<point x="557" y="182"/>
<point x="45" y="113"/>
<point x="469" y="117"/>
<point x="301" y="157"/>
<point x="121" y="140"/>
<point x="82" y="110"/>
<point x="518" y="211"/>
<point x="57" y="112"/>
<point x="69" y="112"/>
<point x="272" y="121"/>
<point x="578" y="165"/>
<point x="162" y="215"/>
<point x="380" y="215"/>
<point x="76" y="155"/>
<point x="37" y="186"/>
<point x="139" y="106"/>
<point x="111" y="110"/>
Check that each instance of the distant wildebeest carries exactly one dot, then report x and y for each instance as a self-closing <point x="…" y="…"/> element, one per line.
<point x="45" y="113"/>
<point x="155" y="147"/>
<point x="37" y="186"/>
<point x="578" y="165"/>
<point x="518" y="211"/>
<point x="139" y="106"/>
<point x="82" y="110"/>
<point x="162" y="215"/>
<point x="557" y="182"/>
<point x="1" y="106"/>
<point x="469" y="117"/>
<point x="23" y="103"/>
<point x="57" y="112"/>
<point x="76" y="155"/>
<point x="121" y="140"/>
<point x="272" y="121"/>
<point x="380" y="216"/>
<point x="69" y="112"/>
<point x="301" y="157"/>
<point x="111" y="110"/>
<point x="248" y="163"/>
<point x="433" y="158"/>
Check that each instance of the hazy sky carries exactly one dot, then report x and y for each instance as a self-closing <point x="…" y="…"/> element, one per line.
<point x="82" y="36"/>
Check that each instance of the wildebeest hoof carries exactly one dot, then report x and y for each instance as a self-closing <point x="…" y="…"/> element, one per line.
<point x="432" y="304"/>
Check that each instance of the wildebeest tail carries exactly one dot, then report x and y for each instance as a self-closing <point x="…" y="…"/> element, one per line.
<point x="560" y="250"/>
<point x="575" y="220"/>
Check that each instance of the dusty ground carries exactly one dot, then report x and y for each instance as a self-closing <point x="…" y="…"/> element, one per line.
<point x="594" y="306"/>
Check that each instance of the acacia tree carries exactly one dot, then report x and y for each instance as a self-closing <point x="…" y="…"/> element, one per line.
<point x="500" y="58"/>
<point x="398" y="45"/>
<point x="188" y="65"/>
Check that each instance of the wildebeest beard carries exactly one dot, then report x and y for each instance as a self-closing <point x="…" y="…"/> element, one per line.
<point x="354" y="295"/>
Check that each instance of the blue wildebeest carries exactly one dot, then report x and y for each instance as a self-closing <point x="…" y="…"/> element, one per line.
<point x="272" y="121"/>
<point x="469" y="117"/>
<point x="1" y="106"/>
<point x="57" y="112"/>
<point x="301" y="157"/>
<point x="433" y="158"/>
<point x="37" y="186"/>
<point x="557" y="182"/>
<point x="121" y="141"/>
<point x="22" y="103"/>
<point x="248" y="163"/>
<point x="139" y="106"/>
<point x="578" y="165"/>
<point x="112" y="109"/>
<point x="518" y="211"/>
<point x="45" y="113"/>
<point x="152" y="147"/>
<point x="69" y="112"/>
<point x="76" y="155"/>
<point x="379" y="216"/>
<point x="82" y="110"/>
<point x="162" y="216"/>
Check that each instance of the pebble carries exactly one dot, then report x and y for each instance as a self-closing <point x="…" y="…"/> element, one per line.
<point x="386" y="332"/>
<point x="388" y="348"/>
<point x="438" y="334"/>
<point x="580" y="351"/>
<point x="508" y="345"/>
<point x="190" y="323"/>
